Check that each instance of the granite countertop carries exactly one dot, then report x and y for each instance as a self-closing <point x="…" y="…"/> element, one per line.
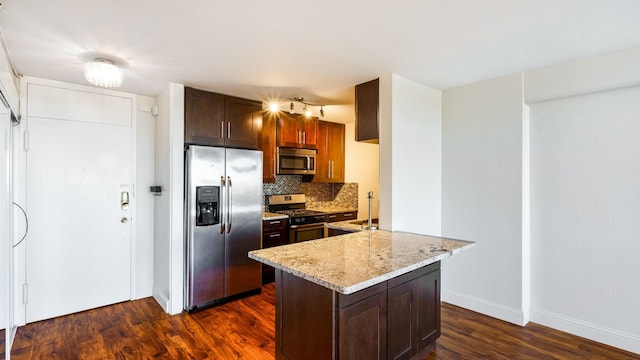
<point x="352" y="262"/>
<point x="348" y="226"/>
<point x="273" y="216"/>
<point x="332" y="210"/>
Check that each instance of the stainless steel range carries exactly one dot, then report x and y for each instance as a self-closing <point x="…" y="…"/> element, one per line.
<point x="303" y="224"/>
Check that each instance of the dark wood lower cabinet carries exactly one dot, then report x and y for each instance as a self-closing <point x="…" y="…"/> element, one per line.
<point x="362" y="329"/>
<point x="414" y="312"/>
<point x="396" y="319"/>
<point x="274" y="233"/>
<point x="304" y="321"/>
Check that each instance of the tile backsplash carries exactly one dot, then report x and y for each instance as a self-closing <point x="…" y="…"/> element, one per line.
<point x="318" y="194"/>
<point x="289" y="184"/>
<point x="331" y="195"/>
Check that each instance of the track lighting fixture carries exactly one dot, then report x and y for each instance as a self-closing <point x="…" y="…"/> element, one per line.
<point x="307" y="111"/>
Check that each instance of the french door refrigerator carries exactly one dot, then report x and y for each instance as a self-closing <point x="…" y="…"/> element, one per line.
<point x="223" y="222"/>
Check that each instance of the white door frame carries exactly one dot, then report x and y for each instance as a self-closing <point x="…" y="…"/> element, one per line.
<point x="21" y="178"/>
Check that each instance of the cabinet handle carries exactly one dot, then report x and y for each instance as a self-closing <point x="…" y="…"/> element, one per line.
<point x="304" y="137"/>
<point x="347" y="215"/>
<point x="333" y="216"/>
<point x="333" y="172"/>
<point x="274" y="222"/>
<point x="274" y="235"/>
<point x="222" y="129"/>
<point x="228" y="130"/>
<point x="274" y="166"/>
<point x="299" y="136"/>
<point x="329" y="168"/>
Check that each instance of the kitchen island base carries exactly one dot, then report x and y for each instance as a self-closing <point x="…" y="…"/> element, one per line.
<point x="395" y="319"/>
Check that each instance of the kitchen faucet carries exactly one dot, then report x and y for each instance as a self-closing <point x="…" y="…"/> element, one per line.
<point x="370" y="225"/>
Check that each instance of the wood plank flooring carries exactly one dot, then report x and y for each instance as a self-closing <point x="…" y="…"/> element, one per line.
<point x="244" y="329"/>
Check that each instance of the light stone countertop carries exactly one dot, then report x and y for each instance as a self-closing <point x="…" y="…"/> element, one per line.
<point x="352" y="262"/>
<point x="273" y="216"/>
<point x="348" y="226"/>
<point x="332" y="210"/>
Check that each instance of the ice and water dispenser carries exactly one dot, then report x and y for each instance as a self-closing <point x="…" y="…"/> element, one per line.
<point x="207" y="205"/>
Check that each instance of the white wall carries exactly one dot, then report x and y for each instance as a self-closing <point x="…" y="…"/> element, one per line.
<point x="564" y="244"/>
<point x="362" y="165"/>
<point x="585" y="192"/>
<point x="410" y="160"/>
<point x="482" y="196"/>
<point x="599" y="73"/>
<point x="168" y="216"/>
<point x="593" y="170"/>
<point x="143" y="251"/>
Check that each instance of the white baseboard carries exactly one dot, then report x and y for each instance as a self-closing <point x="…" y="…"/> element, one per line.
<point x="162" y="299"/>
<point x="498" y="311"/>
<point x="602" y="334"/>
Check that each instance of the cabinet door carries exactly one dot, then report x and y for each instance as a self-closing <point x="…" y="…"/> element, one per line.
<point x="330" y="157"/>
<point x="323" y="162"/>
<point x="289" y="130"/>
<point x="362" y="329"/>
<point x="242" y="119"/>
<point x="203" y="117"/>
<point x="414" y="315"/>
<point x="267" y="144"/>
<point x="296" y="130"/>
<point x="402" y="327"/>
<point x="336" y="151"/>
<point x="367" y="98"/>
<point x="309" y="132"/>
<point x="428" y="308"/>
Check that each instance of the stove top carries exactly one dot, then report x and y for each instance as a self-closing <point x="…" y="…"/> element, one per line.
<point x="293" y="205"/>
<point x="299" y="212"/>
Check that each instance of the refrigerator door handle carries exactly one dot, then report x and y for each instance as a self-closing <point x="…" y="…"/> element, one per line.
<point x="222" y="185"/>
<point x="228" y="204"/>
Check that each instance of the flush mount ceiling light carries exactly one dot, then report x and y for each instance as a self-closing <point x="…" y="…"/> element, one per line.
<point x="307" y="111"/>
<point x="103" y="72"/>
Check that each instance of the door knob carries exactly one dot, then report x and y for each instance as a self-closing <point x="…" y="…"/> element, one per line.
<point x="124" y="220"/>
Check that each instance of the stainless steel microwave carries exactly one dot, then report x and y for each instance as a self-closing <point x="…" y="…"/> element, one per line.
<point x="294" y="161"/>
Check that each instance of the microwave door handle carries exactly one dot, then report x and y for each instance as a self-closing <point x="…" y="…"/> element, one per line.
<point x="308" y="164"/>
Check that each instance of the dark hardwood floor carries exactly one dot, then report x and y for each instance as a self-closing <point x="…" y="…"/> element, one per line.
<point x="244" y="329"/>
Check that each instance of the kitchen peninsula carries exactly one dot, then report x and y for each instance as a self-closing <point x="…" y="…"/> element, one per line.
<point x="363" y="295"/>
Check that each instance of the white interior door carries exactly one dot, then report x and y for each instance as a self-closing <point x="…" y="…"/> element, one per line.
<point x="78" y="251"/>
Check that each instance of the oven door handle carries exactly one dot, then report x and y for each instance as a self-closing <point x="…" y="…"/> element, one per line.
<point x="318" y="225"/>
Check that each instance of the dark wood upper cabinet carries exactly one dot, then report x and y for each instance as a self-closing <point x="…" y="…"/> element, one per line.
<point x="367" y="111"/>
<point x="243" y="118"/>
<point x="221" y="120"/>
<point x="204" y="117"/>
<point x="267" y="143"/>
<point x="296" y="130"/>
<point x="330" y="156"/>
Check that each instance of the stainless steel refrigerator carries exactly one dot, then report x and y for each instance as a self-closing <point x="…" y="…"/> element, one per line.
<point x="223" y="221"/>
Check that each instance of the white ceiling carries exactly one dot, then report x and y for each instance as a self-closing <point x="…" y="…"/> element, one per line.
<point x="316" y="49"/>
